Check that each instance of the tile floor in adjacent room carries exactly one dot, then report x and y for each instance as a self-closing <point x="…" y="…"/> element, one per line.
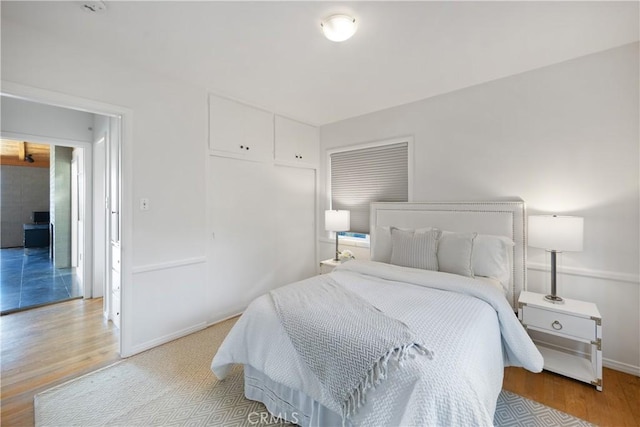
<point x="28" y="278"/>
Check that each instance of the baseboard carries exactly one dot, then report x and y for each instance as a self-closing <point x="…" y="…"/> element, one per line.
<point x="622" y="367"/>
<point x="215" y="322"/>
<point x="167" y="338"/>
<point x="178" y="334"/>
<point x="607" y="363"/>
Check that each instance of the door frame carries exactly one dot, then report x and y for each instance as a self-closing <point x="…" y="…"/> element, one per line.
<point x="42" y="96"/>
<point x="87" y="153"/>
<point x="78" y="201"/>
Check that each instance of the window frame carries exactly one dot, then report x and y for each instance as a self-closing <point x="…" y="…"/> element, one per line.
<point x="381" y="143"/>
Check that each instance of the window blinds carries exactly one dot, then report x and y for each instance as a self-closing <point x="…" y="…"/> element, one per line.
<point x="362" y="176"/>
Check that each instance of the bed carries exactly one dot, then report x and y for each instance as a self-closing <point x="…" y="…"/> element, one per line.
<point x="462" y="328"/>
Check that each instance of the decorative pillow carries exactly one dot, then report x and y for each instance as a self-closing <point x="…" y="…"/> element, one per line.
<point x="492" y="257"/>
<point x="414" y="249"/>
<point x="454" y="253"/>
<point x="381" y="249"/>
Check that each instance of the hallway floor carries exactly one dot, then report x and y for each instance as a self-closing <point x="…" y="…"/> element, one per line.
<point x="29" y="279"/>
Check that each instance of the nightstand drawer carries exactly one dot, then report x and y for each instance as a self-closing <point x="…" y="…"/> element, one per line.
<point x="559" y="323"/>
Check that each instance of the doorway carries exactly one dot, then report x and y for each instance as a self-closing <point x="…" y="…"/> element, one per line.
<point x="94" y="210"/>
<point x="42" y="202"/>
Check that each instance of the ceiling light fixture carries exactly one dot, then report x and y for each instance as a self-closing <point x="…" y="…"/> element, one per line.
<point x="339" y="28"/>
<point x="95" y="6"/>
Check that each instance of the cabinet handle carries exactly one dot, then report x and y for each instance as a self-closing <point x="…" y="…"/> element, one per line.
<point x="247" y="147"/>
<point x="556" y="325"/>
<point x="242" y="147"/>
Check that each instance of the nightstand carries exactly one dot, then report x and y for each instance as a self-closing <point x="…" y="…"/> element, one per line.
<point x="328" y="265"/>
<point x="574" y="320"/>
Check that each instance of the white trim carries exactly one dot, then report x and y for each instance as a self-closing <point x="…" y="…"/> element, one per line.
<point x="588" y="272"/>
<point x="167" y="338"/>
<point x="298" y="165"/>
<point x="43" y="139"/>
<point x="167" y="265"/>
<point x="215" y="322"/>
<point x="58" y="99"/>
<point x="238" y="156"/>
<point x="622" y="367"/>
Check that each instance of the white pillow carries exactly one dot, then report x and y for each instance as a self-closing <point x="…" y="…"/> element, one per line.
<point x="414" y="249"/>
<point x="381" y="248"/>
<point x="455" y="252"/>
<point x="491" y="257"/>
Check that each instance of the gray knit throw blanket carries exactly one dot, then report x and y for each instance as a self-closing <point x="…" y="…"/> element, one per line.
<point x="344" y="340"/>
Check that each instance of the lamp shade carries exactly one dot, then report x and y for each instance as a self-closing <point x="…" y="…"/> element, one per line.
<point x="556" y="233"/>
<point x="337" y="220"/>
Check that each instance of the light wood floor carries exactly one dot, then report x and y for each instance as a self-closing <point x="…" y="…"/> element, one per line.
<point x="618" y="404"/>
<point x="48" y="346"/>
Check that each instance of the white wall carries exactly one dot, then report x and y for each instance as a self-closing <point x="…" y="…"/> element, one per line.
<point x="23" y="190"/>
<point x="167" y="149"/>
<point x="45" y="121"/>
<point x="60" y="204"/>
<point x="165" y="289"/>
<point x="565" y="139"/>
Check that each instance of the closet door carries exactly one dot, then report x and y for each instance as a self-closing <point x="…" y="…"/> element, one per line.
<point x="241" y="213"/>
<point x="296" y="143"/>
<point x="240" y="130"/>
<point x="295" y="222"/>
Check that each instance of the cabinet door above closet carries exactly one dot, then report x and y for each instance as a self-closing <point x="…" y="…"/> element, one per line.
<point x="239" y="130"/>
<point x="296" y="143"/>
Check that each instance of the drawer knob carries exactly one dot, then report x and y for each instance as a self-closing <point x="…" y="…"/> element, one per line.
<point x="556" y="325"/>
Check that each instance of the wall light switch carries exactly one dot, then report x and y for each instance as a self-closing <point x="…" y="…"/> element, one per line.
<point x="144" y="204"/>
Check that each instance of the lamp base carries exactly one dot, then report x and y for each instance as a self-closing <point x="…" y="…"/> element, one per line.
<point x="554" y="299"/>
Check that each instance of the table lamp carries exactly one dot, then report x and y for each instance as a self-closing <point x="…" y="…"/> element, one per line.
<point x="337" y="221"/>
<point x="555" y="234"/>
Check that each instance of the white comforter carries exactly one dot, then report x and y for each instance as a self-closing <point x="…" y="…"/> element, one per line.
<point x="468" y="325"/>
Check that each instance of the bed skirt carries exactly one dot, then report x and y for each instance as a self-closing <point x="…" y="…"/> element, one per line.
<point x="286" y="403"/>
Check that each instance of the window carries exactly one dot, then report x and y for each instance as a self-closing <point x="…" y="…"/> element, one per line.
<point x="373" y="173"/>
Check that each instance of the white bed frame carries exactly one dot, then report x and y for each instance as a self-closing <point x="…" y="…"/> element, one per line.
<point x="503" y="218"/>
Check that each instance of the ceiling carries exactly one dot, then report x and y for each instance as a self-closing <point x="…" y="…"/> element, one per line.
<point x="13" y="153"/>
<point x="273" y="54"/>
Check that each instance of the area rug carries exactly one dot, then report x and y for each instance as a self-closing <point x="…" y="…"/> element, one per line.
<point x="172" y="385"/>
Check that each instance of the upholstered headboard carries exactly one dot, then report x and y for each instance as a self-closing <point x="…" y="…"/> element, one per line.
<point x="504" y="218"/>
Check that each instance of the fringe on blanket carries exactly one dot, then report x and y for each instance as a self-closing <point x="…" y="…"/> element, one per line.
<point x="378" y="372"/>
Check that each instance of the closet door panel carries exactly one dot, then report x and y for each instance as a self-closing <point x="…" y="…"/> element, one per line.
<point x="295" y="208"/>
<point x="296" y="142"/>
<point x="240" y="130"/>
<point x="242" y="232"/>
